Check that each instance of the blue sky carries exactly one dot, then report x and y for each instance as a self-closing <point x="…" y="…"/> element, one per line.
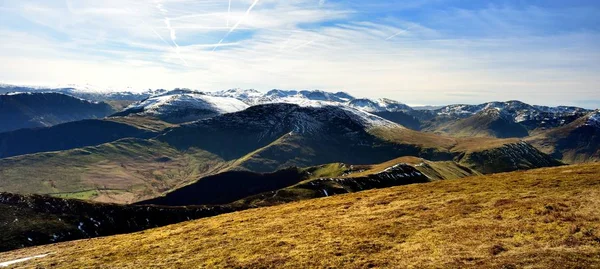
<point x="417" y="52"/>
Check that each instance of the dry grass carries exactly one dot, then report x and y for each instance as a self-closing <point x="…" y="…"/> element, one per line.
<point x="545" y="218"/>
<point x="434" y="170"/>
<point x="441" y="142"/>
<point x="142" y="122"/>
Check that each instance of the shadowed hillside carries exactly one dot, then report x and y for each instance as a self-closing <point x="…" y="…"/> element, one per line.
<point x="30" y="110"/>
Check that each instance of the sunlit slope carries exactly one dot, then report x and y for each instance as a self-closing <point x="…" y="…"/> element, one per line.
<point x="123" y="171"/>
<point x="544" y="218"/>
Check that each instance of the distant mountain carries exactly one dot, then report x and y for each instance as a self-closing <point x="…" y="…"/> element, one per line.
<point x="29" y="110"/>
<point x="490" y="122"/>
<point x="578" y="141"/>
<point x="262" y="138"/>
<point x="312" y="97"/>
<point x="378" y="105"/>
<point x="179" y="106"/>
<point x="530" y="116"/>
<point x="85" y="92"/>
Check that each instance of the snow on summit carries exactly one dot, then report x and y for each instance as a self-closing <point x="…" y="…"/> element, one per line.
<point x="185" y="105"/>
<point x="378" y="105"/>
<point x="178" y="99"/>
<point x="594" y="119"/>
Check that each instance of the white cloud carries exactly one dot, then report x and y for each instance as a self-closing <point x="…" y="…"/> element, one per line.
<point x="285" y="44"/>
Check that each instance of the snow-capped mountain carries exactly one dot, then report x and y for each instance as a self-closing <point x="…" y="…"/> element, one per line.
<point x="246" y="95"/>
<point x="298" y="119"/>
<point x="87" y="92"/>
<point x="594" y="119"/>
<point x="529" y="115"/>
<point x="378" y="105"/>
<point x="314" y="98"/>
<point x="180" y="105"/>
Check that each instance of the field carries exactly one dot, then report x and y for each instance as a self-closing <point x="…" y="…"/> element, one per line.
<point x="544" y="218"/>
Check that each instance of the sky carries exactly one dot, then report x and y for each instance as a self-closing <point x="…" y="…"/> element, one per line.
<point x="418" y="52"/>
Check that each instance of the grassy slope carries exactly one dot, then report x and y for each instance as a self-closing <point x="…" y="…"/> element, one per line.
<point x="147" y="123"/>
<point x="482" y="125"/>
<point x="123" y="171"/>
<point x="572" y="143"/>
<point x="545" y="218"/>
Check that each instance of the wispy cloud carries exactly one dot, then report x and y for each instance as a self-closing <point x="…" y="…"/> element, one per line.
<point x="302" y="45"/>
<point x="235" y="26"/>
<point x="439" y="53"/>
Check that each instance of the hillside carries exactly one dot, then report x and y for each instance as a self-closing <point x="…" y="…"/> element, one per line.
<point x="487" y="123"/>
<point x="263" y="138"/>
<point x="123" y="171"/>
<point x="67" y="136"/>
<point x="266" y="138"/>
<point x="338" y="178"/>
<point x="29" y="110"/>
<point x="576" y="142"/>
<point x="35" y="220"/>
<point x="544" y="218"/>
<point x="30" y="220"/>
<point x="270" y="137"/>
<point x="293" y="184"/>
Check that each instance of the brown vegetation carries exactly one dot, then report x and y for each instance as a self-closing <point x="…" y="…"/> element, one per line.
<point x="545" y="218"/>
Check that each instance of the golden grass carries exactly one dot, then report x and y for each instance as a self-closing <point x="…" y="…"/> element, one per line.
<point x="440" y="142"/>
<point x="545" y="218"/>
<point x="143" y="122"/>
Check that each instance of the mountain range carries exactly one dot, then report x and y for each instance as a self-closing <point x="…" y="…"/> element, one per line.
<point x="72" y="168"/>
<point x="169" y="139"/>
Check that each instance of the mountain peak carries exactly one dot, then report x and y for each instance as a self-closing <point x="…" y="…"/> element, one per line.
<point x="183" y="105"/>
<point x="593" y="119"/>
<point x="378" y="105"/>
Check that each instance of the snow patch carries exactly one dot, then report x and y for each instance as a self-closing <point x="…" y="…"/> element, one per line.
<point x="174" y="101"/>
<point x="594" y="119"/>
<point x="8" y="263"/>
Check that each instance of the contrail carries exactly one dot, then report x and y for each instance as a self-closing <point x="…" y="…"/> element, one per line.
<point x="395" y="35"/>
<point x="237" y="24"/>
<point x="159" y="36"/>
<point x="303" y="45"/>
<point x="171" y="31"/>
<point x="228" y="12"/>
<point x="285" y="43"/>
